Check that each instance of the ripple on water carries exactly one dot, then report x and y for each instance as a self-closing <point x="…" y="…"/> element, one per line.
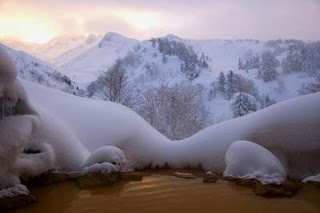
<point x="166" y="193"/>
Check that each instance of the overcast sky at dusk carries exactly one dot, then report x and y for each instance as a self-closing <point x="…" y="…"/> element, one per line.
<point x="41" y="20"/>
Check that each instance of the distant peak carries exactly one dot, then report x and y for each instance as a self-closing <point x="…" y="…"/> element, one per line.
<point x="172" y="37"/>
<point x="91" y="38"/>
<point x="112" y="36"/>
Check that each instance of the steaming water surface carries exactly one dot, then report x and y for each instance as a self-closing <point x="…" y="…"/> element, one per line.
<point x="161" y="192"/>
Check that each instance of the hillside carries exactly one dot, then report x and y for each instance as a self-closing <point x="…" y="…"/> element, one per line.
<point x="185" y="75"/>
<point x="35" y="70"/>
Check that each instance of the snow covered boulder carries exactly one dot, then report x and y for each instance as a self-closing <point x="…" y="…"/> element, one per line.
<point x="107" y="154"/>
<point x="314" y="180"/>
<point x="248" y="160"/>
<point x="17" y="121"/>
<point x="104" y="167"/>
<point x="14" y="197"/>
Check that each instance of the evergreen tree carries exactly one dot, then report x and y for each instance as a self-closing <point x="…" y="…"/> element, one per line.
<point x="164" y="58"/>
<point x="267" y="101"/>
<point x="231" y="84"/>
<point x="240" y="64"/>
<point x="268" y="67"/>
<point x="242" y="105"/>
<point x="222" y="83"/>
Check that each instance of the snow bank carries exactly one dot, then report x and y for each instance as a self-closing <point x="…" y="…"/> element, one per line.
<point x="315" y="178"/>
<point x="8" y="71"/>
<point x="101" y="168"/>
<point x="14" y="191"/>
<point x="25" y="127"/>
<point x="99" y="123"/>
<point x="245" y="159"/>
<point x="287" y="129"/>
<point x="109" y="154"/>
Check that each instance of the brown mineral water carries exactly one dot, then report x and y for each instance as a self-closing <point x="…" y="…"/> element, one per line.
<point x="162" y="192"/>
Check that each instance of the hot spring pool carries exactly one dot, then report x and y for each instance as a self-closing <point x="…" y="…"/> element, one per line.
<point x="161" y="192"/>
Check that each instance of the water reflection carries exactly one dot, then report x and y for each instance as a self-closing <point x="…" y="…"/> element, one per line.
<point x="162" y="192"/>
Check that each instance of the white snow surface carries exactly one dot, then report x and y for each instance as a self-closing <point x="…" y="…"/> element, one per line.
<point x="87" y="65"/>
<point x="314" y="178"/>
<point x="109" y="154"/>
<point x="14" y="191"/>
<point x="245" y="159"/>
<point x="286" y="129"/>
<point x="101" y="168"/>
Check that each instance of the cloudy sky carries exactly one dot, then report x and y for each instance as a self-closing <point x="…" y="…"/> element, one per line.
<point x="41" y="20"/>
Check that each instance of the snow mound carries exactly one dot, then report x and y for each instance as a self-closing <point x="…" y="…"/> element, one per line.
<point x="315" y="178"/>
<point x="14" y="191"/>
<point x="101" y="168"/>
<point x="32" y="164"/>
<point x="247" y="160"/>
<point x="109" y="154"/>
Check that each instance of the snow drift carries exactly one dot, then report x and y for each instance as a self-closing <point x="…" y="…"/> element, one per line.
<point x="287" y="129"/>
<point x="245" y="159"/>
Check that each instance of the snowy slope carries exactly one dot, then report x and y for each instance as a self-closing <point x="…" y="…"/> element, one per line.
<point x="57" y="46"/>
<point x="146" y="69"/>
<point x="72" y="53"/>
<point x="33" y="69"/>
<point x="59" y="50"/>
<point x="101" y="56"/>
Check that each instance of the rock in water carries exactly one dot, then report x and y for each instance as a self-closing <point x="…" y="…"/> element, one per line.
<point x="14" y="197"/>
<point x="184" y="175"/>
<point x="210" y="177"/>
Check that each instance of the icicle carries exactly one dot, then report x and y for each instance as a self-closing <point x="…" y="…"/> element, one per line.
<point x="2" y="108"/>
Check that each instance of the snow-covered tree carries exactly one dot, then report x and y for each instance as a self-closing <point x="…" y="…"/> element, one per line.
<point x="266" y="101"/>
<point x="294" y="60"/>
<point x="240" y="64"/>
<point x="311" y="87"/>
<point x="164" y="58"/>
<point x="212" y="91"/>
<point x="242" y="105"/>
<point x="231" y="87"/>
<point x="268" y="67"/>
<point x="245" y="85"/>
<point x="250" y="63"/>
<point x="222" y="82"/>
<point x="191" y="64"/>
<point x="176" y="111"/>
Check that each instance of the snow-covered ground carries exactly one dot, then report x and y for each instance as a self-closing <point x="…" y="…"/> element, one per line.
<point x="286" y="129"/>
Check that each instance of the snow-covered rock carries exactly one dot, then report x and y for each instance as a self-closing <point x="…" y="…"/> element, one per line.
<point x="101" y="168"/>
<point x="248" y="160"/>
<point x="315" y="178"/>
<point x="14" y="191"/>
<point x="108" y="154"/>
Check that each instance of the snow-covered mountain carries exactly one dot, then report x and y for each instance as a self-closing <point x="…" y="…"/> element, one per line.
<point x="76" y="50"/>
<point x="171" y="60"/>
<point x="147" y="65"/>
<point x="68" y="47"/>
<point x="38" y="71"/>
<point x="100" y="57"/>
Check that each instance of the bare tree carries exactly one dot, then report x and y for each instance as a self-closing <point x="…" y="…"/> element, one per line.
<point x="177" y="111"/>
<point x="113" y="86"/>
